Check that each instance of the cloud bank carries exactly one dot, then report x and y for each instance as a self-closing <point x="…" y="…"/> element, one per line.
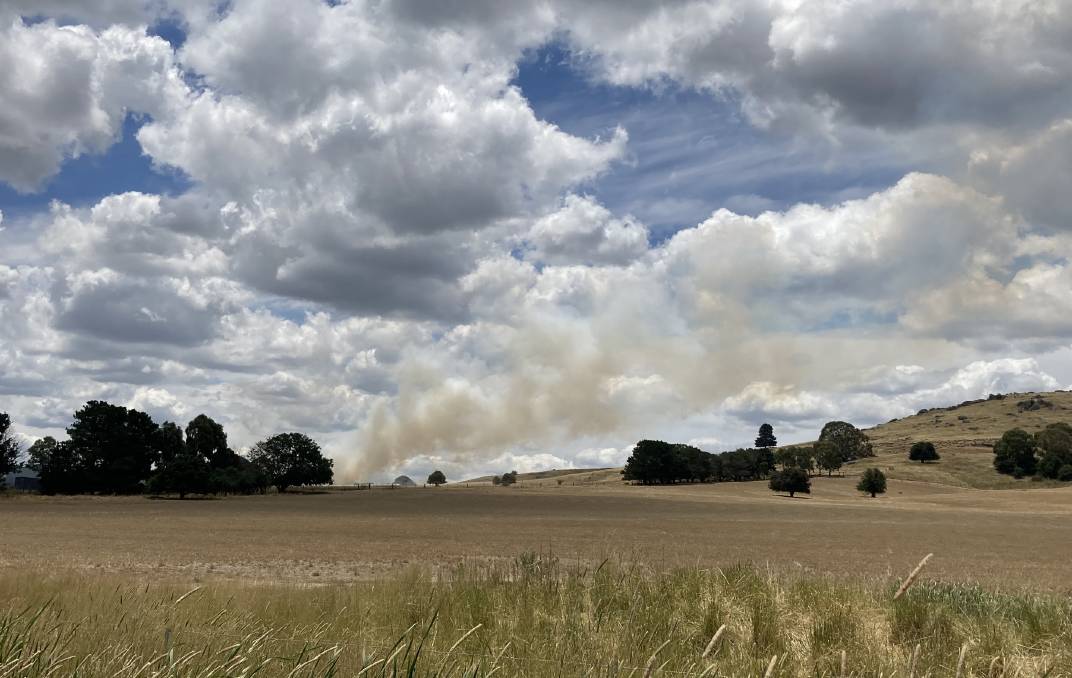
<point x="382" y="244"/>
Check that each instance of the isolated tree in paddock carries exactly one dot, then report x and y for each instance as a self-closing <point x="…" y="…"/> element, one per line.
<point x="186" y="473"/>
<point x="791" y="480"/>
<point x="827" y="457"/>
<point x="1014" y="453"/>
<point x="113" y="448"/>
<point x="923" y="452"/>
<point x="766" y="437"/>
<point x="9" y="447"/>
<point x="206" y="437"/>
<point x="39" y="453"/>
<point x="873" y="481"/>
<point x="507" y="479"/>
<point x="292" y="459"/>
<point x="851" y="442"/>
<point x="1055" y="451"/>
<point x="437" y="478"/>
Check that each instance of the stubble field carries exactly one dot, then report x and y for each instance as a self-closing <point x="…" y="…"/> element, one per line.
<point x="1007" y="538"/>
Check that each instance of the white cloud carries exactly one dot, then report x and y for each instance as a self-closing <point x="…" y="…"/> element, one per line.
<point x="386" y="246"/>
<point x="66" y="90"/>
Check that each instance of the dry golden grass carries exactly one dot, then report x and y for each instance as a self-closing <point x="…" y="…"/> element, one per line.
<point x="532" y="616"/>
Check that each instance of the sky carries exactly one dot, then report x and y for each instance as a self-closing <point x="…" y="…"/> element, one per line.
<point x="484" y="235"/>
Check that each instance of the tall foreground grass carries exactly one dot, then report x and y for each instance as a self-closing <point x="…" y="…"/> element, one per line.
<point x="533" y="617"/>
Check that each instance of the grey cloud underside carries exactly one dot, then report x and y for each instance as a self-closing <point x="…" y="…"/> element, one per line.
<point x="385" y="245"/>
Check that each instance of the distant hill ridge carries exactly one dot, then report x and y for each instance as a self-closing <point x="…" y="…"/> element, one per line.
<point x="963" y="434"/>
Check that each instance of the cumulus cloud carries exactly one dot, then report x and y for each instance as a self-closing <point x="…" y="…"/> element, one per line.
<point x="385" y="245"/>
<point x="67" y="89"/>
<point x="585" y="232"/>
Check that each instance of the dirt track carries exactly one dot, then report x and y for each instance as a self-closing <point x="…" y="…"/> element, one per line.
<point x="1006" y="537"/>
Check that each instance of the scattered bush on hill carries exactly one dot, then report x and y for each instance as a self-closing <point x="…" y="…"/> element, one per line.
<point x="1014" y="453"/>
<point x="1055" y="451"/>
<point x="923" y="452"/>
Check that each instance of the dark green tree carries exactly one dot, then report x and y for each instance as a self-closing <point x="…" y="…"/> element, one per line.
<point x="650" y="462"/>
<point x="9" y="448"/>
<point x="206" y="437"/>
<point x="791" y="480"/>
<point x="795" y="456"/>
<point x="766" y="437"/>
<point x="873" y="481"/>
<point x="437" y="478"/>
<point x="850" y="442"/>
<point x="1055" y="451"/>
<point x="691" y="464"/>
<point x="923" y="452"/>
<point x="114" y="447"/>
<point x="507" y="479"/>
<point x="243" y="477"/>
<point x="1014" y="453"/>
<point x="169" y="441"/>
<point x="292" y="459"/>
<point x="39" y="453"/>
<point x="827" y="457"/>
<point x="62" y="471"/>
<point x="186" y="473"/>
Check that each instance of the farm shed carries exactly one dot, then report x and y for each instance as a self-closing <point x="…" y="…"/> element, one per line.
<point x="24" y="480"/>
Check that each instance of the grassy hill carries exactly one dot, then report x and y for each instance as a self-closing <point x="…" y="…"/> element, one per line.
<point x="964" y="435"/>
<point x="549" y="477"/>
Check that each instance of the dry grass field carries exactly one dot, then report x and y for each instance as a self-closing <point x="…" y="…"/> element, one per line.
<point x="565" y="573"/>
<point x="994" y="537"/>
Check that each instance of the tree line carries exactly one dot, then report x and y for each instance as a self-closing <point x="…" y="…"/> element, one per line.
<point x="659" y="462"/>
<point x="115" y="450"/>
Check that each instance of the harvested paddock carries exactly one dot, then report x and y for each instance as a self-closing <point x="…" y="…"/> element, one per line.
<point x="1005" y="538"/>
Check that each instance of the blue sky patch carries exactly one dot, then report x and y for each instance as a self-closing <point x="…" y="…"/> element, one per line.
<point x="84" y="180"/>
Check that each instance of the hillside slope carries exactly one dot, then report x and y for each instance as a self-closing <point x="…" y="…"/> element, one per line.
<point x="964" y="435"/>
